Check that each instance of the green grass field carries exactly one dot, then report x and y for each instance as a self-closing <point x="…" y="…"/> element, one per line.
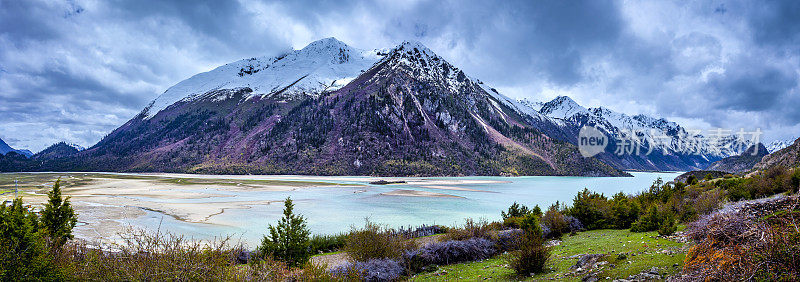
<point x="643" y="251"/>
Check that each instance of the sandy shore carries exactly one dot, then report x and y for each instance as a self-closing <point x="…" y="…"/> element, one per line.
<point x="442" y="187"/>
<point x="416" y="193"/>
<point x="108" y="203"/>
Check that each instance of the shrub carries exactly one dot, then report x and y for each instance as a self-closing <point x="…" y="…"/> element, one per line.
<point x="531" y="226"/>
<point x="58" y="217"/>
<point x="709" y="201"/>
<point x="533" y="254"/>
<point x="448" y="252"/>
<point x="555" y="221"/>
<point x="146" y="256"/>
<point x="508" y="240"/>
<point x="372" y="270"/>
<point x="375" y="242"/>
<point x="623" y="211"/>
<point x="591" y="208"/>
<point x="512" y="222"/>
<point x="531" y="258"/>
<point x="288" y="241"/>
<point x="575" y="225"/>
<point x="691" y="180"/>
<point x="421" y="231"/>
<point x="668" y="226"/>
<point x="794" y="180"/>
<point x="537" y="211"/>
<point x="471" y="229"/>
<point x="326" y="243"/>
<point x="651" y="221"/>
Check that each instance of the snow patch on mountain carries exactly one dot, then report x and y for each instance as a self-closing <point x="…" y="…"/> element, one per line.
<point x="324" y="65"/>
<point x="776" y="145"/>
<point x="76" y="146"/>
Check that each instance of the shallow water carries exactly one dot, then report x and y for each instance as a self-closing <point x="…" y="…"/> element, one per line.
<point x="335" y="209"/>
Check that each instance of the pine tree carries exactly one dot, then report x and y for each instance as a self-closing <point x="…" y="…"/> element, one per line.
<point x="58" y="217"/>
<point x="288" y="241"/>
<point x="23" y="254"/>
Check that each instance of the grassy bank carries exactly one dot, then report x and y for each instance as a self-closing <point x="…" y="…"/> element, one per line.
<point x="640" y="252"/>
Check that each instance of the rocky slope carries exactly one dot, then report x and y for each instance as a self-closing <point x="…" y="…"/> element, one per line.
<point x="407" y="113"/>
<point x="786" y="157"/>
<point x="741" y="163"/>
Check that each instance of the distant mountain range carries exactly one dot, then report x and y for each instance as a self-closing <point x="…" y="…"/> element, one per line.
<point x="332" y="109"/>
<point x="664" y="145"/>
<point x="5" y="149"/>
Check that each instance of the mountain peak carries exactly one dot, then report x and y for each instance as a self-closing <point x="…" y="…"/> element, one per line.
<point x="562" y="107"/>
<point x="323" y="65"/>
<point x="758" y="149"/>
<point x="328" y="41"/>
<point x="330" y="46"/>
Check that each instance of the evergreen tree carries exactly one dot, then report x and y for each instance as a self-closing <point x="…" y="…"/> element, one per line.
<point x="289" y="240"/>
<point x="537" y="211"/>
<point x="23" y="254"/>
<point x="517" y="210"/>
<point x="58" y="217"/>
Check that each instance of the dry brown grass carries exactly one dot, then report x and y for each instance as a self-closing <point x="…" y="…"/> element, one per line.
<point x="745" y="245"/>
<point x="156" y="256"/>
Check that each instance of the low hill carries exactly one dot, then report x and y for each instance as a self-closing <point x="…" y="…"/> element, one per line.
<point x="741" y="163"/>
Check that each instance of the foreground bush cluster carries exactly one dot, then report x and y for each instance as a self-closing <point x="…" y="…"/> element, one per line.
<point x="759" y="241"/>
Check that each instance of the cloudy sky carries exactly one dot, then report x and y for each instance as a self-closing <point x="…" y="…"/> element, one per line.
<point x="75" y="70"/>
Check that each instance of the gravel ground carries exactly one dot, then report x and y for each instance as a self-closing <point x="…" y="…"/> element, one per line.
<point x="332" y="260"/>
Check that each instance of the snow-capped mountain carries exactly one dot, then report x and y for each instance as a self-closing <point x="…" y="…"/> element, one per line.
<point x="333" y="109"/>
<point x="675" y="147"/>
<point x="776" y="145"/>
<point x="324" y="65"/>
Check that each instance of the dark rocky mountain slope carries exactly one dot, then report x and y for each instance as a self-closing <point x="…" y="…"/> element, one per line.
<point x="741" y="163"/>
<point x="788" y="157"/>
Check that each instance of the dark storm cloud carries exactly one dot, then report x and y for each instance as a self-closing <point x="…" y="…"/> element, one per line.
<point x="776" y="23"/>
<point x="75" y="70"/>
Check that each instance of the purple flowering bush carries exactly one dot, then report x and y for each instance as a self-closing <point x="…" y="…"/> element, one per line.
<point x="373" y="270"/>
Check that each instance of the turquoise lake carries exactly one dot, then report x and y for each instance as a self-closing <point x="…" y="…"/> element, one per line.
<point x="331" y="210"/>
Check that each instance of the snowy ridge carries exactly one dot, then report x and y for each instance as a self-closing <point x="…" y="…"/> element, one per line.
<point x="664" y="135"/>
<point x="423" y="63"/>
<point x="776" y="145"/>
<point x="324" y="65"/>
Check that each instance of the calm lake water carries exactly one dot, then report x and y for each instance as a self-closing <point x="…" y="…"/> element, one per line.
<point x="331" y="210"/>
